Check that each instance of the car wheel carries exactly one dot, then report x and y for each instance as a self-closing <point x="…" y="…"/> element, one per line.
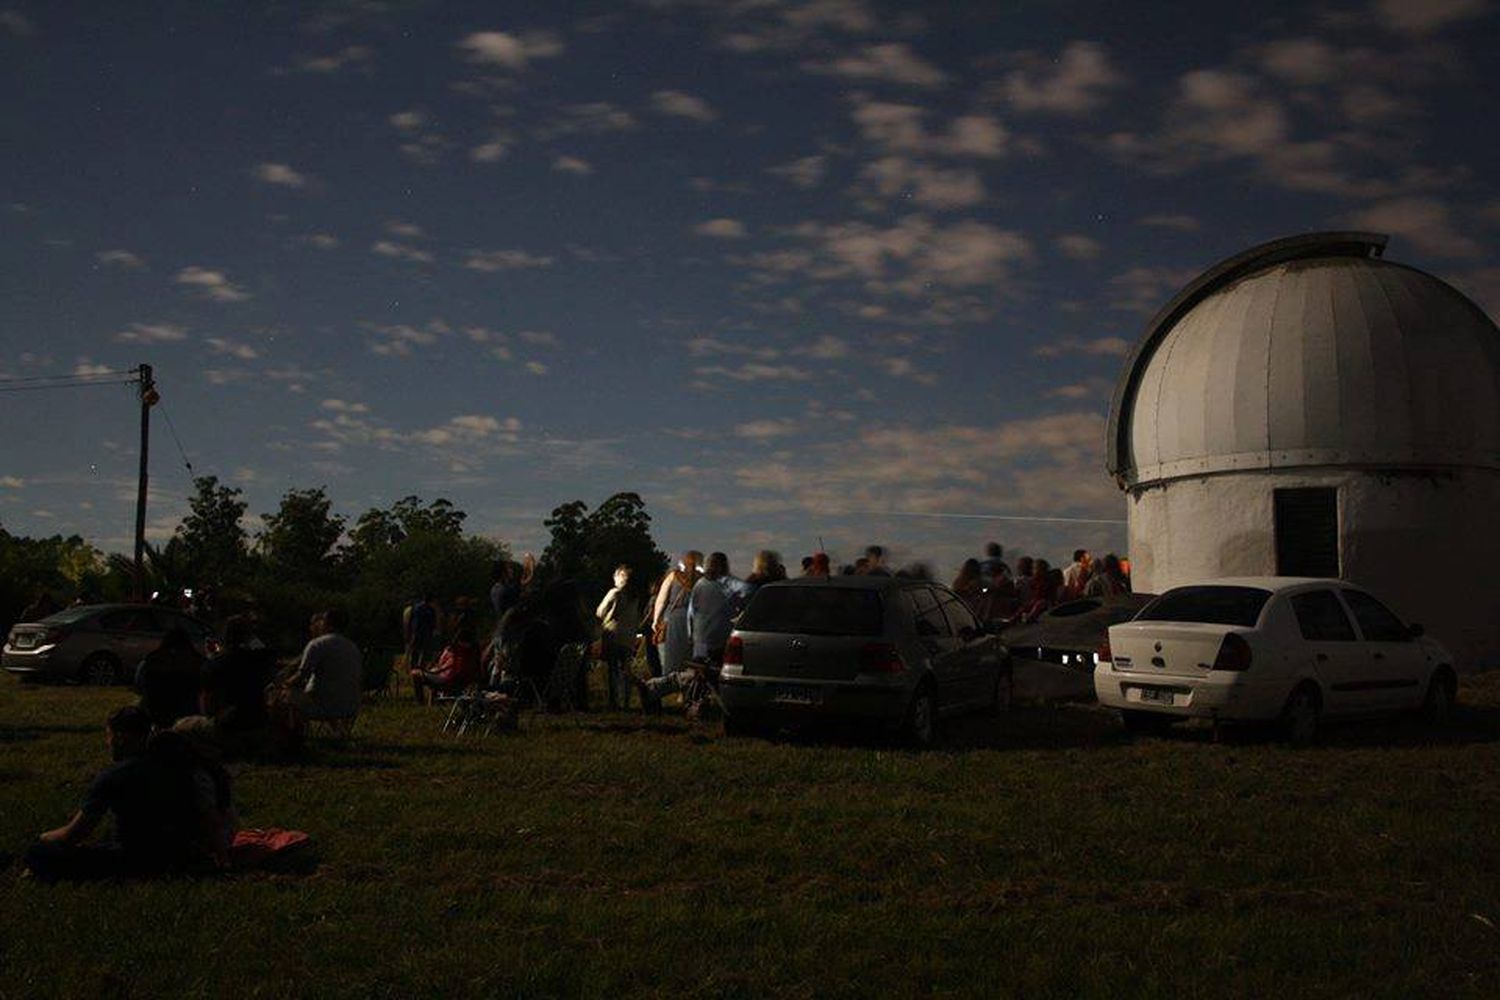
<point x="1299" y="719"/>
<point x="1145" y="723"/>
<point x="1437" y="707"/>
<point x="101" y="670"/>
<point x="921" y="718"/>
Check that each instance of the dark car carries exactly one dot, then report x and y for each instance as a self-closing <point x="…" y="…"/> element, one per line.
<point x="895" y="652"/>
<point x="96" y="643"/>
<point x="1053" y="657"/>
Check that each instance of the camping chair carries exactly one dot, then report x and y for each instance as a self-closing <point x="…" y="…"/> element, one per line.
<point x="478" y="711"/>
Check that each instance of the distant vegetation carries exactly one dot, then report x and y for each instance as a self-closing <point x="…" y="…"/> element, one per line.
<point x="305" y="556"/>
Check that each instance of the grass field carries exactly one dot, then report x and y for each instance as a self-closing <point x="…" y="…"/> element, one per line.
<point x="1040" y="854"/>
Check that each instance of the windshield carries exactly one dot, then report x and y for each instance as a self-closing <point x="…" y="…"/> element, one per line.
<point x="814" y="611"/>
<point x="69" y="615"/>
<point x="1239" y="606"/>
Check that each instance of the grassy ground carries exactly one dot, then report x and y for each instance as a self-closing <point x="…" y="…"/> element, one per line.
<point x="1040" y="854"/>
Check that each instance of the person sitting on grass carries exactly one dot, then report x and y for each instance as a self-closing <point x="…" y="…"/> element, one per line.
<point x="151" y="791"/>
<point x="456" y="669"/>
<point x="697" y="681"/>
<point x="234" y="690"/>
<point x="326" y="684"/>
<point x="168" y="678"/>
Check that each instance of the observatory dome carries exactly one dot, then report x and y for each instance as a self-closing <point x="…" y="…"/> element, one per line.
<point x="1309" y="352"/>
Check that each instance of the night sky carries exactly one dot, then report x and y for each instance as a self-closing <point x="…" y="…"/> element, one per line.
<point x="787" y="269"/>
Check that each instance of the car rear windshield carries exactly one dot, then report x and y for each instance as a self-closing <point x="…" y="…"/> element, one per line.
<point x="1239" y="606"/>
<point x="814" y="611"/>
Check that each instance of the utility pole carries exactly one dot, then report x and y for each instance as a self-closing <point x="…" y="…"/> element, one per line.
<point x="149" y="398"/>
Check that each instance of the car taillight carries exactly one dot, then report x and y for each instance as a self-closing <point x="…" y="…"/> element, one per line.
<point x="1234" y="653"/>
<point x="880" y="658"/>
<point x="1102" y="654"/>
<point x="734" y="652"/>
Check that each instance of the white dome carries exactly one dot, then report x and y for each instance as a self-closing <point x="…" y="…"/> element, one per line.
<point x="1309" y="351"/>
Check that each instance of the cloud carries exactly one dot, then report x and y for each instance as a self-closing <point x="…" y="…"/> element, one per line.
<point x="212" y="285"/>
<point x="536" y="368"/>
<point x="1078" y="247"/>
<point x="87" y="367"/>
<point x="1147" y="289"/>
<point x="421" y="142"/>
<point x="333" y="62"/>
<point x="123" y="259"/>
<point x="1427" y="222"/>
<point x="922" y="184"/>
<point x="279" y="175"/>
<point x="903" y="368"/>
<point x="401" y="251"/>
<point x="489" y="152"/>
<point x="340" y="406"/>
<point x="16" y="23"/>
<point x="1076" y="391"/>
<point x="592" y="118"/>
<point x="505" y="260"/>
<point x="321" y="241"/>
<point x="1420" y="17"/>
<point x="1112" y="347"/>
<point x="541" y="338"/>
<point x="12" y="483"/>
<point x="723" y="229"/>
<point x="243" y="352"/>
<point x="901" y="128"/>
<point x="406" y="230"/>
<point x="702" y="347"/>
<point x="804" y="173"/>
<point x="911" y="258"/>
<point x="399" y="339"/>
<point x="151" y="333"/>
<point x="484" y="426"/>
<point x="1078" y="81"/>
<point x="889" y="62"/>
<point x="755" y="371"/>
<point x="572" y="165"/>
<point x="408" y="121"/>
<point x="512" y="52"/>
<point x="681" y="105"/>
<point x="826" y="348"/>
<point x="762" y="430"/>
<point x="1182" y="223"/>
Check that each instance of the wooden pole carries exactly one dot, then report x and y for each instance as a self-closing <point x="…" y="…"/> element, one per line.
<point x="148" y="398"/>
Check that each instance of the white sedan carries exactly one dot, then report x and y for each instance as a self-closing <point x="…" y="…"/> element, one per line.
<point x="1270" y="648"/>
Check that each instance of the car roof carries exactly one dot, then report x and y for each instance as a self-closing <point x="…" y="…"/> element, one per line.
<point x="1275" y="584"/>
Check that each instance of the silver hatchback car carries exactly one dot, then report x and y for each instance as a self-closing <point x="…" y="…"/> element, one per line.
<point x="896" y="652"/>
<point x="96" y="643"/>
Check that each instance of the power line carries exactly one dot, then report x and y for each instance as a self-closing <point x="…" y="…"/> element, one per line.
<point x="95" y="373"/>
<point x="75" y="384"/>
<point x="177" y="440"/>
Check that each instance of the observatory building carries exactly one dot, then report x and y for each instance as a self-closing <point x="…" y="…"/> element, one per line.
<point x="1307" y="408"/>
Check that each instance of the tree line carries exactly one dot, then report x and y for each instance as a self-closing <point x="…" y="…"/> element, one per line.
<point x="305" y="556"/>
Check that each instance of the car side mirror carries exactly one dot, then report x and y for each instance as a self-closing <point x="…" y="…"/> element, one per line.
<point x="1416" y="630"/>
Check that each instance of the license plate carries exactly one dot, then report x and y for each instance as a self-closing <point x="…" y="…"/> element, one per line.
<point x="795" y="694"/>
<point x="1156" y="695"/>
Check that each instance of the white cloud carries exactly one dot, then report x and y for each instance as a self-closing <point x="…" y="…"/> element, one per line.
<point x="407" y="230"/>
<point x="804" y="173"/>
<point x="87" y="367"/>
<point x="1076" y="246"/>
<point x="595" y="117"/>
<point x="1146" y="289"/>
<point x="922" y="184"/>
<point x="1111" y="347"/>
<point x="322" y="241"/>
<point x="1078" y="81"/>
<point x="512" y="52"/>
<point x="489" y="152"/>
<point x="761" y="430"/>
<point x="755" y="371"/>
<point x="243" y="352"/>
<point x="1427" y="222"/>
<point x="826" y="348"/>
<point x="212" y="285"/>
<point x="536" y="368"/>
<point x="901" y="128"/>
<point x="12" y="483"/>
<point x="151" y="333"/>
<point x="350" y="55"/>
<point x="703" y="347"/>
<point x="340" y="406"/>
<point x="17" y="23"/>
<point x="682" y="105"/>
<point x="401" y="251"/>
<point x="505" y="260"/>
<point x="724" y="229"/>
<point x="120" y="258"/>
<point x="572" y="165"/>
<point x="889" y="62"/>
<point x="279" y="175"/>
<point x="1419" y="17"/>
<point x="408" y="121"/>
<point x="399" y="339"/>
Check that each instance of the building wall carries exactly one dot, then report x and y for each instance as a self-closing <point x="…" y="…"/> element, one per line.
<point x="1428" y="544"/>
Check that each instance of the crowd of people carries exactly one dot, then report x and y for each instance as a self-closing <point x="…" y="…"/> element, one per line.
<point x="170" y="795"/>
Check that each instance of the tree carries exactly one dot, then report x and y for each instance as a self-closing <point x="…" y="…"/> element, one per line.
<point x="377" y="530"/>
<point x="298" y="540"/>
<point x="589" y="546"/>
<point x="215" y="544"/>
